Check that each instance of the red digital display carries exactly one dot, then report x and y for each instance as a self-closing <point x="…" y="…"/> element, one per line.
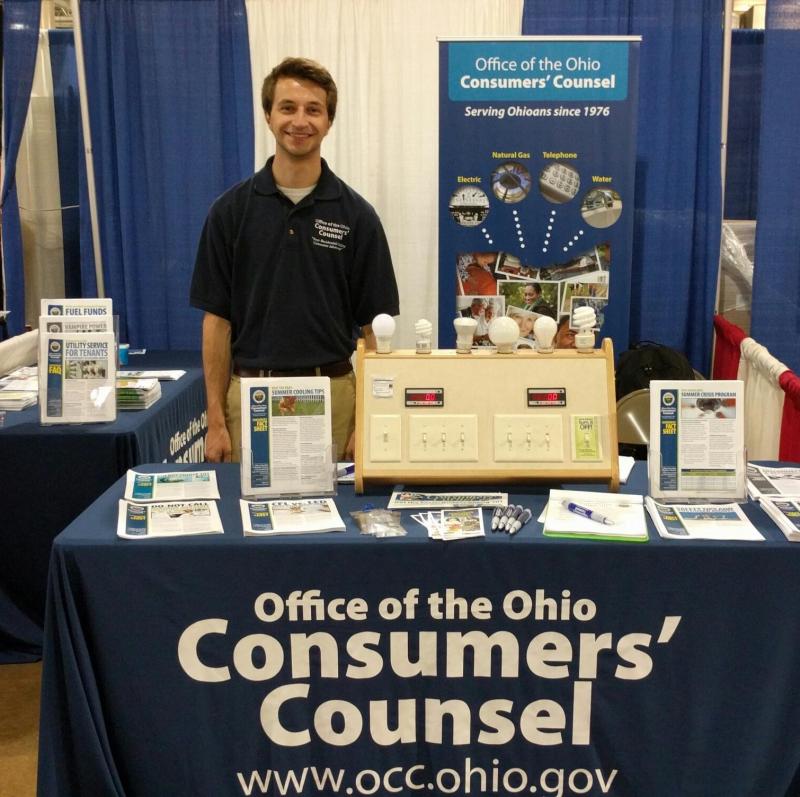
<point x="424" y="397"/>
<point x="547" y="397"/>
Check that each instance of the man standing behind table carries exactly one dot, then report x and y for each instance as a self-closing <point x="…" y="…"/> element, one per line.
<point x="289" y="263"/>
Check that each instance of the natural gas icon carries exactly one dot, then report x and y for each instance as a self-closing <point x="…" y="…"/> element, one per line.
<point x="511" y="182"/>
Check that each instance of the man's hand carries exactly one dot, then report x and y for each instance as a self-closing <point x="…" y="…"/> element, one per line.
<point x="218" y="444"/>
<point x="217" y="372"/>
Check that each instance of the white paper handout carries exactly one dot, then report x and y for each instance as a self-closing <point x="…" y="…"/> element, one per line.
<point x="77" y="377"/>
<point x="25" y="379"/>
<point x="768" y="482"/>
<point x="416" y="499"/>
<point x="167" y="519"/>
<point x="701" y="521"/>
<point x="786" y="513"/>
<point x="286" y="437"/>
<point x="162" y="376"/>
<point x="172" y="486"/>
<point x="697" y="440"/>
<point x="453" y="524"/>
<point x="304" y="516"/>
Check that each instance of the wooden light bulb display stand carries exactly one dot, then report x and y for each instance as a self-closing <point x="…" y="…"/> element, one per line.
<point x="485" y="417"/>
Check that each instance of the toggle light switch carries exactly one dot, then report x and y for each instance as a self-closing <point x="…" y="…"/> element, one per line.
<point x="528" y="438"/>
<point x="442" y="438"/>
<point x="385" y="438"/>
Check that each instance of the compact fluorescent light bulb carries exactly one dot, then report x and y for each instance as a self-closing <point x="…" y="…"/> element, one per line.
<point x="584" y="319"/>
<point x="383" y="327"/>
<point x="503" y="332"/>
<point x="423" y="330"/>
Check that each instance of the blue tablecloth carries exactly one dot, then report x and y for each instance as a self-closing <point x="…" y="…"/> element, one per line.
<point x="200" y="665"/>
<point x="49" y="474"/>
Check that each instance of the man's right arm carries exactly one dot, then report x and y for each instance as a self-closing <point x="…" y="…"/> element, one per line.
<point x="217" y="372"/>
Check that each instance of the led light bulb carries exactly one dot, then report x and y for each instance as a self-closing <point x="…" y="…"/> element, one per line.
<point x="383" y="327"/>
<point x="583" y="319"/>
<point x="503" y="332"/>
<point x="544" y="331"/>
<point x="465" y="334"/>
<point x="423" y="330"/>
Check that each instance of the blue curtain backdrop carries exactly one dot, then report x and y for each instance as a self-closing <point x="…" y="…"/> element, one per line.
<point x="744" y="124"/>
<point x="678" y="198"/>
<point x="79" y="276"/>
<point x="20" y="42"/>
<point x="169" y="91"/>
<point x="776" y="279"/>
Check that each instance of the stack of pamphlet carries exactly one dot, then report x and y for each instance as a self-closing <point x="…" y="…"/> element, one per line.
<point x="766" y="482"/>
<point x="16" y="399"/>
<point x="169" y="505"/>
<point x="786" y="513"/>
<point x="302" y="516"/>
<point x="137" y="394"/>
<point x="162" y="376"/>
<point x="701" y="521"/>
<point x="596" y="516"/>
<point x="19" y="389"/>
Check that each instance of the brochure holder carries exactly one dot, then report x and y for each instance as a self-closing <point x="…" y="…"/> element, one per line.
<point x="654" y="470"/>
<point x="286" y="448"/>
<point x="696" y="451"/>
<point x="77" y="378"/>
<point x="77" y="362"/>
<point x="316" y="481"/>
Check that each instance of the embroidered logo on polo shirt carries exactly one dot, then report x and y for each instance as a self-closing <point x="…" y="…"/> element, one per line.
<point x="330" y="234"/>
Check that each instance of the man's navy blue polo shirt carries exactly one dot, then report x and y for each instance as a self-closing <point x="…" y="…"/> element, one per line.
<point x="293" y="280"/>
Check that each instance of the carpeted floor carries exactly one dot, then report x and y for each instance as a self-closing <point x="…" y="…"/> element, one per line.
<point x="19" y="728"/>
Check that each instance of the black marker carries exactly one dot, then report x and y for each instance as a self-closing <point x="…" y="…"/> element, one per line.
<point x="505" y="518"/>
<point x="498" y="511"/>
<point x="514" y="517"/>
<point x="520" y="521"/>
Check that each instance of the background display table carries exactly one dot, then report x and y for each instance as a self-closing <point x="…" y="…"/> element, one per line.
<point x="49" y="474"/>
<point x="201" y="665"/>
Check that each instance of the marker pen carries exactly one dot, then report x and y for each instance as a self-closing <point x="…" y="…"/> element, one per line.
<point x="514" y="517"/>
<point x="520" y="521"/>
<point x="498" y="511"/>
<point x="506" y="515"/>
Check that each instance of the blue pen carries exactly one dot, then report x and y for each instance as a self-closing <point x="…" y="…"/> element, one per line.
<point x="589" y="514"/>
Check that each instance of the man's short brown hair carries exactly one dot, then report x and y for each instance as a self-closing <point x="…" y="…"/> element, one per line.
<point x="301" y="69"/>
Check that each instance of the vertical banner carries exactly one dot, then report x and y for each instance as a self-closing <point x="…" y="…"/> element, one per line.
<point x="537" y="145"/>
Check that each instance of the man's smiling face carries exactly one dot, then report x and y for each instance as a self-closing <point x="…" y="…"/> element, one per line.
<point x="299" y="117"/>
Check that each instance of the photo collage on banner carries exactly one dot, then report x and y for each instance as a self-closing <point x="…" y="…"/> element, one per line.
<point x="536" y="160"/>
